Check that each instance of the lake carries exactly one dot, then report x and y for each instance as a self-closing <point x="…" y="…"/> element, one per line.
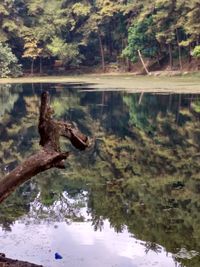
<point x="130" y="200"/>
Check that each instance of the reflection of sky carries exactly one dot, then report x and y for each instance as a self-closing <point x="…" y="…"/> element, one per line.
<point x="79" y="245"/>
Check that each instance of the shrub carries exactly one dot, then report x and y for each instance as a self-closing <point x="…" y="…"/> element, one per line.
<point x="196" y="51"/>
<point x="9" y="66"/>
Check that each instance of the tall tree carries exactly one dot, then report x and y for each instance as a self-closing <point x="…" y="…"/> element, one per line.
<point x="100" y="14"/>
<point x="141" y="38"/>
<point x="31" y="49"/>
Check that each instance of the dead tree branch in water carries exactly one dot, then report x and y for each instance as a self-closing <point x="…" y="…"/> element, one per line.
<point x="50" y="155"/>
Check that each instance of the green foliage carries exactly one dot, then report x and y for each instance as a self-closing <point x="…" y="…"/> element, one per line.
<point x="31" y="49"/>
<point x="196" y="51"/>
<point x="174" y="24"/>
<point x="137" y="115"/>
<point x="101" y="31"/>
<point x="11" y="22"/>
<point x="7" y="101"/>
<point x="35" y="7"/>
<point x="196" y="106"/>
<point x="165" y="21"/>
<point x="80" y="9"/>
<point x="192" y="19"/>
<point x="141" y="37"/>
<point x="9" y="66"/>
<point x="67" y="52"/>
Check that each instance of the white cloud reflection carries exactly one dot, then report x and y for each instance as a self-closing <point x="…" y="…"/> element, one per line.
<point x="79" y="245"/>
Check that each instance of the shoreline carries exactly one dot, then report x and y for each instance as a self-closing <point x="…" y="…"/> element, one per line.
<point x="129" y="82"/>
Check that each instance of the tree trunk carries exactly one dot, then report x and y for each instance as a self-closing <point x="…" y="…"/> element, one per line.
<point x="190" y="57"/>
<point x="158" y="60"/>
<point x="128" y="64"/>
<point x="179" y="107"/>
<point x="170" y="103"/>
<point x="32" y="66"/>
<point x="110" y="42"/>
<point x="170" y="56"/>
<point x="101" y="51"/>
<point x="140" y="99"/>
<point x="50" y="155"/>
<point x="144" y="66"/>
<point x="179" y="50"/>
<point x="40" y="65"/>
<point x="41" y="161"/>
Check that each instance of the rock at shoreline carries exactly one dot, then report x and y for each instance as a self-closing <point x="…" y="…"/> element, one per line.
<point x="6" y="262"/>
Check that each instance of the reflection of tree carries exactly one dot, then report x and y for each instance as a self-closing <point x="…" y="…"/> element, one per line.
<point x="7" y="99"/>
<point x="152" y="246"/>
<point x="63" y="209"/>
<point x="143" y="171"/>
<point x="103" y="206"/>
<point x="17" y="205"/>
<point x="17" y="130"/>
<point x="35" y="201"/>
<point x="196" y="106"/>
<point x="150" y="216"/>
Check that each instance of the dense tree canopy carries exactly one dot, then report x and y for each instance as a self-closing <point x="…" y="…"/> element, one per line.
<point x="92" y="32"/>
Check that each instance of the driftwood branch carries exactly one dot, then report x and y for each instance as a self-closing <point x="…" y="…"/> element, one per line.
<point x="143" y="64"/>
<point x="50" y="155"/>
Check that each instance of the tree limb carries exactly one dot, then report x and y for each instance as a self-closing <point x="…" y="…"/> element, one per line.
<point x="50" y="155"/>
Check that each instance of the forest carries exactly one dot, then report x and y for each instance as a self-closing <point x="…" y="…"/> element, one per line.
<point x="141" y="172"/>
<point x="39" y="36"/>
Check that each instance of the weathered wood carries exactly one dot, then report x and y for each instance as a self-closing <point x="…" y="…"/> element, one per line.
<point x="143" y="64"/>
<point x="39" y="162"/>
<point x="50" y="155"/>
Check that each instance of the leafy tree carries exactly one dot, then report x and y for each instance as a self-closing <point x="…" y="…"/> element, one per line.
<point x="10" y="21"/>
<point x="196" y="51"/>
<point x="100" y="31"/>
<point x="31" y="49"/>
<point x="141" y="37"/>
<point x="67" y="52"/>
<point x="192" y="21"/>
<point x="9" y="66"/>
<point x="100" y="15"/>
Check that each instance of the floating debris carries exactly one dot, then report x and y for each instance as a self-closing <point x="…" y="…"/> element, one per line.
<point x="58" y="256"/>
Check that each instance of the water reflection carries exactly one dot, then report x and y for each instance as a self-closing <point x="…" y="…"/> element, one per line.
<point x="79" y="245"/>
<point x="39" y="235"/>
<point x="142" y="176"/>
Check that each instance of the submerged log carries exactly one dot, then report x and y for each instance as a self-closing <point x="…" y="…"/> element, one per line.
<point x="6" y="262"/>
<point x="50" y="155"/>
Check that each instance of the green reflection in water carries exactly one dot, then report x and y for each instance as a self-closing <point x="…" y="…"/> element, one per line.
<point x="143" y="171"/>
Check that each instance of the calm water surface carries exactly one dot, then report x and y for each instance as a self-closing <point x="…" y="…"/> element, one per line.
<point x="131" y="200"/>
